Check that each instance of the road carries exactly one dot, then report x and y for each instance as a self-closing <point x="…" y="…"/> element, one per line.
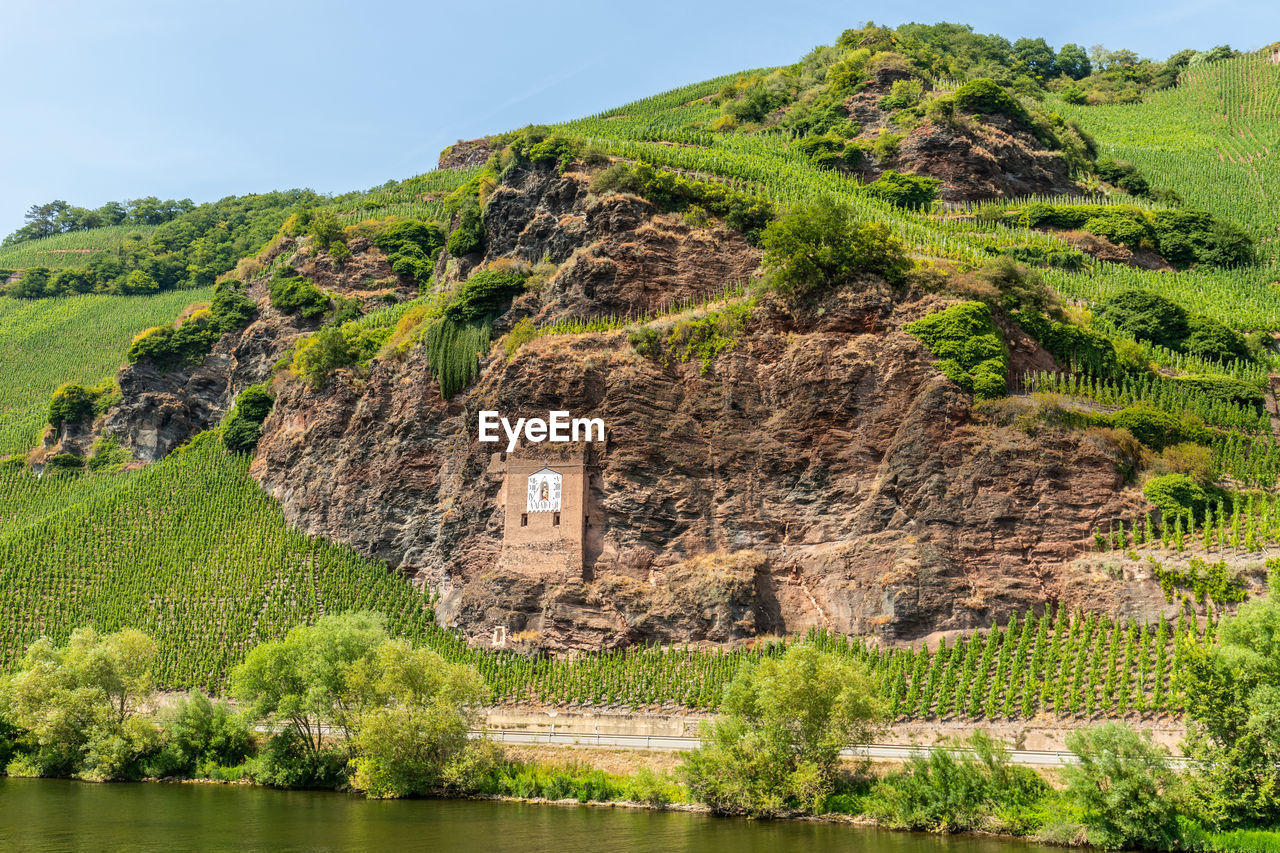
<point x="879" y="751"/>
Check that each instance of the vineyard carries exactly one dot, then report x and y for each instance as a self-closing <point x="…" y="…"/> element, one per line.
<point x="71" y="339"/>
<point x="72" y="249"/>
<point x="189" y="550"/>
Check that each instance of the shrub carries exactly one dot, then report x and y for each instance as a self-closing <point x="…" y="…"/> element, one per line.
<point x="987" y="97"/>
<point x="1154" y="427"/>
<point x="968" y="346"/>
<point x="902" y="190"/>
<point x="470" y="233"/>
<point x="819" y="246"/>
<point x="485" y="294"/>
<point x="71" y="403"/>
<point x="1122" y="788"/>
<point x="1146" y="316"/>
<point x="170" y="348"/>
<point x="970" y="785"/>
<point x="199" y="732"/>
<point x="231" y="309"/>
<point x="297" y="295"/>
<point x="243" y="426"/>
<point x="1176" y="494"/>
<point x="783" y="723"/>
<point x="1213" y="341"/>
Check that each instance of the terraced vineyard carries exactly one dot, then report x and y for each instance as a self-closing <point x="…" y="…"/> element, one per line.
<point x="72" y="249"/>
<point x="189" y="550"/>
<point x="1215" y="139"/>
<point x="80" y="339"/>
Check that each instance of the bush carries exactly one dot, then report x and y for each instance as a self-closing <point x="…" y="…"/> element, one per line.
<point x="783" y="723"/>
<point x="199" y="732"/>
<point x="231" y="309"/>
<point x="321" y="353"/>
<point x="901" y="190"/>
<point x="1176" y="494"/>
<point x="71" y="403"/>
<point x="170" y="348"/>
<point x="819" y="247"/>
<point x="969" y="786"/>
<point x="470" y="233"/>
<point x="987" y="97"/>
<point x="1122" y="788"/>
<point x="1213" y="341"/>
<point x="968" y="346"/>
<point x="297" y="295"/>
<point x="1146" y="316"/>
<point x="484" y="295"/>
<point x="243" y="426"/>
<point x="284" y="762"/>
<point x="1153" y="427"/>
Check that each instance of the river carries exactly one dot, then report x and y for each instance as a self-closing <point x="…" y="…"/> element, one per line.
<point x="48" y="816"/>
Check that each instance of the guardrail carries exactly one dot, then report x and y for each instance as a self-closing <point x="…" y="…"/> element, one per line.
<point x="671" y="743"/>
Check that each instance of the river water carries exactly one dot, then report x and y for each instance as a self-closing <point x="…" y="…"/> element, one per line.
<point x="42" y="816"/>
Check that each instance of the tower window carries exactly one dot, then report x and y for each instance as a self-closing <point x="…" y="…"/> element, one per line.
<point x="524" y="519"/>
<point x="555" y="519"/>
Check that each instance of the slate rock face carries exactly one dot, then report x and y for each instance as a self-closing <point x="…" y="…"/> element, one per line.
<point x="820" y="471"/>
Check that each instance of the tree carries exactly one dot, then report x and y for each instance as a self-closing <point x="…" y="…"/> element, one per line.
<point x="819" y="246"/>
<point x="1147" y="316"/>
<point x="79" y="704"/>
<point x="300" y="682"/>
<point x="1234" y="710"/>
<point x="1036" y="56"/>
<point x="783" y="723"/>
<point x="1122" y="788"/>
<point x="1074" y="62"/>
<point x="199" y="731"/>
<point x="415" y="712"/>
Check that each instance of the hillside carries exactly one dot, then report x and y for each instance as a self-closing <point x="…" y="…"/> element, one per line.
<point x="908" y="440"/>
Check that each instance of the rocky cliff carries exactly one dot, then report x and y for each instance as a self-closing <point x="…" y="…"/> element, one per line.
<point x="815" y="470"/>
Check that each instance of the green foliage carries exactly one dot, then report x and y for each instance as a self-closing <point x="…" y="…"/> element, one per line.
<point x="243" y="425"/>
<point x="175" y="348"/>
<point x="778" y="741"/>
<point x="1153" y="427"/>
<point x="1176" y="494"/>
<point x="1232" y="703"/>
<point x="91" y="335"/>
<point x="201" y="734"/>
<point x="80" y="704"/>
<point x="416" y="711"/>
<point x="673" y="192"/>
<point x="966" y="785"/>
<point x="901" y="190"/>
<point x="469" y="234"/>
<point x="70" y="404"/>
<point x="1122" y="789"/>
<point x="177" y="245"/>
<point x="484" y="295"/>
<point x="145" y="547"/>
<point x="985" y="96"/>
<point x="453" y="352"/>
<point x="704" y="339"/>
<point x="302" y="683"/>
<point x="231" y="310"/>
<point x="411" y="247"/>
<point x="968" y="346"/>
<point x="819" y="247"/>
<point x="297" y="295"/>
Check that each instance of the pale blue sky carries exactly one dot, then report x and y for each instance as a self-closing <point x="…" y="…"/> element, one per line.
<point x="115" y="99"/>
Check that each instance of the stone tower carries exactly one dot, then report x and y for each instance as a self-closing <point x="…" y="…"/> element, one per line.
<point x="547" y="497"/>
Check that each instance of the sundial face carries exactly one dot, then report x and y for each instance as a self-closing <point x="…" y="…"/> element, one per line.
<point x="544" y="491"/>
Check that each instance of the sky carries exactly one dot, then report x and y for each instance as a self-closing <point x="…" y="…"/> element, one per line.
<point x="117" y="99"/>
